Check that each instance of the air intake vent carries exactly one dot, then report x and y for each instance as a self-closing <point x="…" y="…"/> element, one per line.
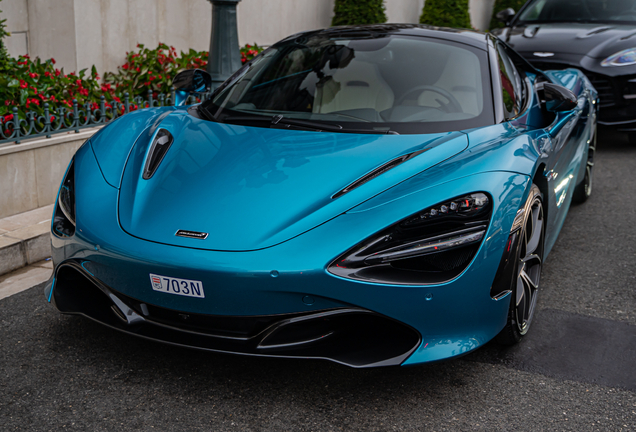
<point x="377" y="172"/>
<point x="160" y="145"/>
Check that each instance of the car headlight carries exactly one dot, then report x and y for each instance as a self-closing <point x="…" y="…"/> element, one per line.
<point x="432" y="246"/>
<point x="64" y="216"/>
<point x="622" y="58"/>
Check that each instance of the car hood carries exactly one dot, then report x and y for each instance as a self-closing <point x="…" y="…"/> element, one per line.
<point x="593" y="40"/>
<point x="250" y="188"/>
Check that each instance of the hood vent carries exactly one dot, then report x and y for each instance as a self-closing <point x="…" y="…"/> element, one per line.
<point x="160" y="145"/>
<point x="377" y="172"/>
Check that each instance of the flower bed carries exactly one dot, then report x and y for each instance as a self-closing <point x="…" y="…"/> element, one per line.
<point x="33" y="86"/>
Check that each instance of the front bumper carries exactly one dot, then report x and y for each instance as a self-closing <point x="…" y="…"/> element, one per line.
<point x="351" y="336"/>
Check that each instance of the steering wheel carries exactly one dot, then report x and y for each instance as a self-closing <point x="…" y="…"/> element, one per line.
<point x="453" y="103"/>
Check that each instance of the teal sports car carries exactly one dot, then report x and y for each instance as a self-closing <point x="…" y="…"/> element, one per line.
<point x="370" y="195"/>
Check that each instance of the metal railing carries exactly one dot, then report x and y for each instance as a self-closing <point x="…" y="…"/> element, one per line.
<point x="73" y="119"/>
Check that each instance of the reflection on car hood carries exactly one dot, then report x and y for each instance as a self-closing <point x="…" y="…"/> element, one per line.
<point x="251" y="187"/>
<point x="593" y="40"/>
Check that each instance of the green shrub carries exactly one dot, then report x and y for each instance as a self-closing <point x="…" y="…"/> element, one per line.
<point x="4" y="55"/>
<point x="501" y="5"/>
<point x="446" y="13"/>
<point x="353" y="12"/>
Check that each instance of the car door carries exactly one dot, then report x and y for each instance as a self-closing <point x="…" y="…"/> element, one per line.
<point x="559" y="138"/>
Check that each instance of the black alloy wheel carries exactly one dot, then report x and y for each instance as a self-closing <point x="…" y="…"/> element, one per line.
<point x="584" y="189"/>
<point x="525" y="283"/>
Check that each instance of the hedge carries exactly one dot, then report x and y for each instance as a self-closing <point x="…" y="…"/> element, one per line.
<point x="357" y="12"/>
<point x="446" y="13"/>
<point x="4" y="55"/>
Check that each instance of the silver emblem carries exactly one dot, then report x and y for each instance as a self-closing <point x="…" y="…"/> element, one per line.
<point x="192" y="234"/>
<point x="543" y="54"/>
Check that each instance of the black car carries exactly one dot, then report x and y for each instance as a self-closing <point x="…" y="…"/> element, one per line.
<point x="595" y="36"/>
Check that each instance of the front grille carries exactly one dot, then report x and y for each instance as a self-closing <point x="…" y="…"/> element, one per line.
<point x="606" y="91"/>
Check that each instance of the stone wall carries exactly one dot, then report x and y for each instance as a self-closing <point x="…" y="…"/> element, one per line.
<point x="82" y="33"/>
<point x="31" y="172"/>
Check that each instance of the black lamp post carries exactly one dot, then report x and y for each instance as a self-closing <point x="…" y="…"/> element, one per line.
<point x="225" y="57"/>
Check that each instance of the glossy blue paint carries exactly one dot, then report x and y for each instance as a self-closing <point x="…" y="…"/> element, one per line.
<point x="113" y="142"/>
<point x="267" y="184"/>
<point x="264" y="195"/>
<point x="241" y="283"/>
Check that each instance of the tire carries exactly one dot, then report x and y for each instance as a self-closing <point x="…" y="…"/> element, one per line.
<point x="525" y="279"/>
<point x="584" y="189"/>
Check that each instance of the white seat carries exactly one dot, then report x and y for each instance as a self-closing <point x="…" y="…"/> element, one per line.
<point x="357" y="86"/>
<point x="462" y="67"/>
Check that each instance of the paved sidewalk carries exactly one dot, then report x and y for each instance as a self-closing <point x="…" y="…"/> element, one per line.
<point x="24" y="278"/>
<point x="24" y="239"/>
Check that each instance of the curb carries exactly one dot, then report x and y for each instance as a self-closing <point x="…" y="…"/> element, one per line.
<point x="17" y="253"/>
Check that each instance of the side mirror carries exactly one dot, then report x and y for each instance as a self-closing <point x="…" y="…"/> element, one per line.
<point x="505" y="16"/>
<point x="189" y="82"/>
<point x="556" y="98"/>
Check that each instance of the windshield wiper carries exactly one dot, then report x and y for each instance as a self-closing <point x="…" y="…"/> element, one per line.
<point x="279" y="121"/>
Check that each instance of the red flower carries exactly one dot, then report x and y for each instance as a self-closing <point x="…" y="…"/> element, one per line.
<point x="47" y="74"/>
<point x="52" y="60"/>
<point x="7" y="103"/>
<point x="33" y="75"/>
<point x="78" y="82"/>
<point x="26" y="56"/>
<point x="57" y="72"/>
<point x="23" y="84"/>
<point x="52" y="118"/>
<point x="22" y="62"/>
<point x="8" y="117"/>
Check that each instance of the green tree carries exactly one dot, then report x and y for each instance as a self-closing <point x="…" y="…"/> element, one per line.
<point x="446" y="13"/>
<point x="352" y="12"/>
<point x="501" y="5"/>
<point x="4" y="55"/>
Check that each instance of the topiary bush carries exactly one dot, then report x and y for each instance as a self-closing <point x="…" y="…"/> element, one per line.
<point x="4" y="55"/>
<point x="446" y="13"/>
<point x="501" y="5"/>
<point x="354" y="12"/>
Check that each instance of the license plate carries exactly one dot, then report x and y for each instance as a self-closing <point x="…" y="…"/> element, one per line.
<point x="170" y="285"/>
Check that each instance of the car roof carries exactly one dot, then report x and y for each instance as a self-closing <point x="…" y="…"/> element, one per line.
<point x="469" y="37"/>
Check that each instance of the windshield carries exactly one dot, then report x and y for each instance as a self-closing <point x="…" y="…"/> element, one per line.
<point x="386" y="84"/>
<point x="592" y="11"/>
